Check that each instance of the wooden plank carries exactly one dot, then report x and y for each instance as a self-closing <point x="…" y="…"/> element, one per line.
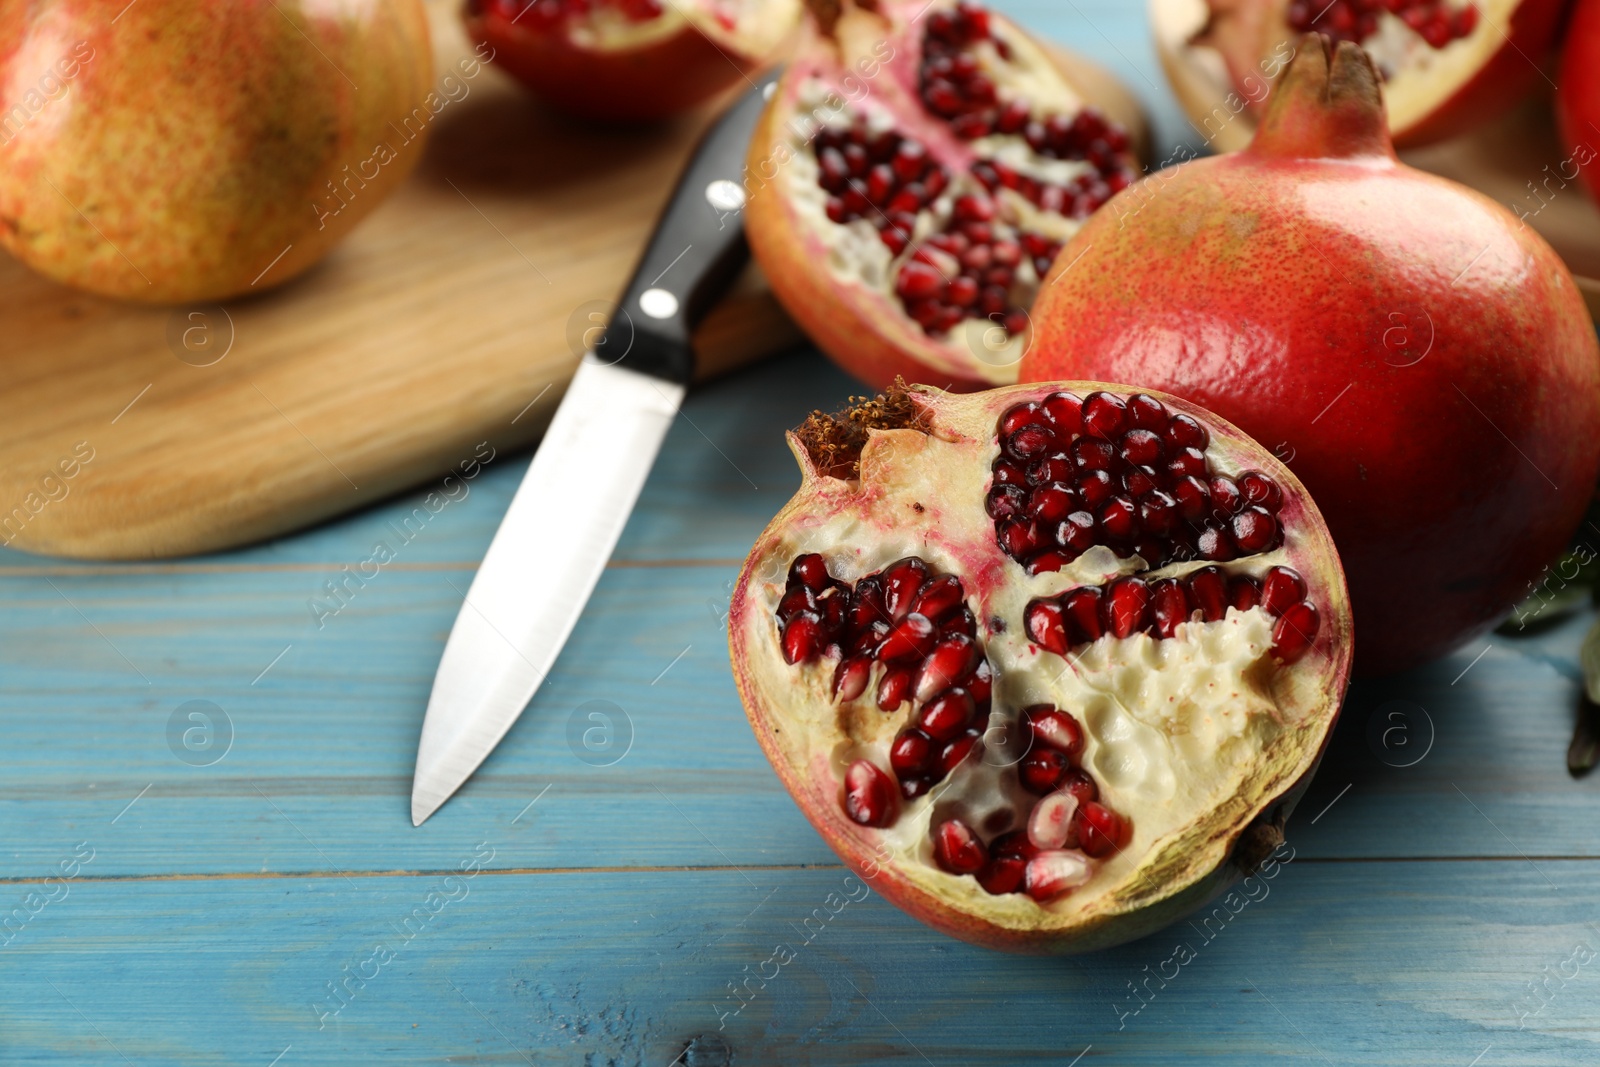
<point x="629" y="967"/>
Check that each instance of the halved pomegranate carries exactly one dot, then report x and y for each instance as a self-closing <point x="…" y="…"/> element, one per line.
<point x="914" y="175"/>
<point x="1447" y="65"/>
<point x="1048" y="663"/>
<point x="630" y="60"/>
<point x="1423" y="360"/>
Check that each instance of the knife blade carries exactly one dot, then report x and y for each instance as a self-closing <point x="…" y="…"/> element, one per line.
<point x="570" y="509"/>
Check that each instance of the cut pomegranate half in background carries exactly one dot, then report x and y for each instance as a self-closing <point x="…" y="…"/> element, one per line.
<point x="915" y="173"/>
<point x="1448" y="66"/>
<point x="630" y="60"/>
<point x="1060" y="738"/>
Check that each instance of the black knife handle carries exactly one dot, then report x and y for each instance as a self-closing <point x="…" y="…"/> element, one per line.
<point x="697" y="250"/>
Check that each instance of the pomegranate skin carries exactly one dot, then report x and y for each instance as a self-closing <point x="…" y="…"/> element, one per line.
<point x="1578" y="95"/>
<point x="1424" y="364"/>
<point x="653" y="81"/>
<point x="192" y="150"/>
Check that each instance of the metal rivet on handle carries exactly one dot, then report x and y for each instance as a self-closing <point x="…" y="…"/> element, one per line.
<point x="658" y="303"/>
<point x="725" y="195"/>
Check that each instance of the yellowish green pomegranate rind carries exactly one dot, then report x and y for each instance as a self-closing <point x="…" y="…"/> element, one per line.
<point x="920" y="492"/>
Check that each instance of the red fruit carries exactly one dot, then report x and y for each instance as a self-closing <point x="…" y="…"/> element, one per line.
<point x="1577" y="101"/>
<point x="1441" y="439"/>
<point x="950" y="306"/>
<point x="183" y="153"/>
<point x="1447" y="69"/>
<point x="629" y="60"/>
<point x="1006" y="740"/>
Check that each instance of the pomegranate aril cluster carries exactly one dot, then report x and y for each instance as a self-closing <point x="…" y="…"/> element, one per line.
<point x="913" y="629"/>
<point x="968" y="270"/>
<point x="954" y="87"/>
<point x="1133" y="605"/>
<point x="1437" y="22"/>
<point x="547" y="14"/>
<point x="1065" y="828"/>
<point x="879" y="176"/>
<point x="1125" y="473"/>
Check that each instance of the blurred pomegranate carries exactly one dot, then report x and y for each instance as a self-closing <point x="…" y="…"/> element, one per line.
<point x="1578" y="96"/>
<point x="630" y="60"/>
<point x="179" y="150"/>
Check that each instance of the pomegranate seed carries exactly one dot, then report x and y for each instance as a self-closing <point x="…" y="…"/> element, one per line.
<point x="1048" y="562"/>
<point x="962" y="622"/>
<point x="1142" y="447"/>
<point x="1127" y="604"/>
<point x="1050" y="824"/>
<point x="981" y="683"/>
<point x="1051" y="503"/>
<point x="869" y="795"/>
<point x="868" y="639"/>
<point x="1055" y="873"/>
<point x="1081" y="608"/>
<point x="1194" y="499"/>
<point x="1226" y="499"/>
<point x="1042" y="770"/>
<point x="1007" y="473"/>
<point x="1261" y="491"/>
<point x="1147" y="412"/>
<point x="1169" y="606"/>
<point x="1209" y="588"/>
<point x="912" y="788"/>
<point x="1101" y="831"/>
<point x="1018" y="416"/>
<point x="1065" y="412"/>
<point x="1137" y="481"/>
<point x="957" y="849"/>
<point x="798" y="598"/>
<point x="851" y="677"/>
<point x="910" y="638"/>
<point x="1056" y="467"/>
<point x="1080" y="785"/>
<point x="1187" y="461"/>
<point x="969" y="208"/>
<point x="1006" y="503"/>
<point x="1003" y="875"/>
<point x="938" y="598"/>
<point x="1215" y="544"/>
<point x="950" y="661"/>
<point x="894" y="688"/>
<point x="947" y="714"/>
<point x="1032" y="440"/>
<point x="1104" y="416"/>
<point x="1056" y="729"/>
<point x="1092" y="455"/>
<point x="1158" y="513"/>
<point x="866" y="603"/>
<point x="962" y="292"/>
<point x="911" y="753"/>
<point x="1076" y="532"/>
<point x="1095" y="488"/>
<point x="901" y="582"/>
<point x="910" y="160"/>
<point x="951" y="755"/>
<point x="803" y="637"/>
<point x="1014" y="843"/>
<point x="1282" y="590"/>
<point x="1295" y="632"/>
<point x="1015" y="321"/>
<point x="1021" y="539"/>
<point x="1254" y="530"/>
<point x="810" y="571"/>
<point x="1244" y="593"/>
<point x="1120" y="519"/>
<point x="1045" y="626"/>
<point x="917" y="281"/>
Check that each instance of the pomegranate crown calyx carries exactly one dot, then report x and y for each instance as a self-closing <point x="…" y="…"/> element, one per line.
<point x="1328" y="104"/>
<point x="833" y="443"/>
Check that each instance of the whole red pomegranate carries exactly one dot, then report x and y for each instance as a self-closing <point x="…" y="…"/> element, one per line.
<point x="631" y="60"/>
<point x="993" y="651"/>
<point x="174" y="150"/>
<point x="914" y="175"/>
<point x="1423" y="362"/>
<point x="1578" y="96"/>
<point x="1448" y="65"/>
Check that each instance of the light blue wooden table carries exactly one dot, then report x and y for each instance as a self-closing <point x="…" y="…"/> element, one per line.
<point x="197" y="900"/>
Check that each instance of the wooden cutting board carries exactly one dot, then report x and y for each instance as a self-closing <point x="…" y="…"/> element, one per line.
<point x="1517" y="160"/>
<point x="453" y="316"/>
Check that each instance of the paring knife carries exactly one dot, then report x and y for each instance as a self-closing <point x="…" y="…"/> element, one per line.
<point x="569" y="511"/>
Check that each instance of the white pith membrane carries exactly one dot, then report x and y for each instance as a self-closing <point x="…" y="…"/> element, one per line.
<point x="745" y="27"/>
<point x="1188" y="738"/>
<point x="833" y="95"/>
<point x="1418" y="78"/>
